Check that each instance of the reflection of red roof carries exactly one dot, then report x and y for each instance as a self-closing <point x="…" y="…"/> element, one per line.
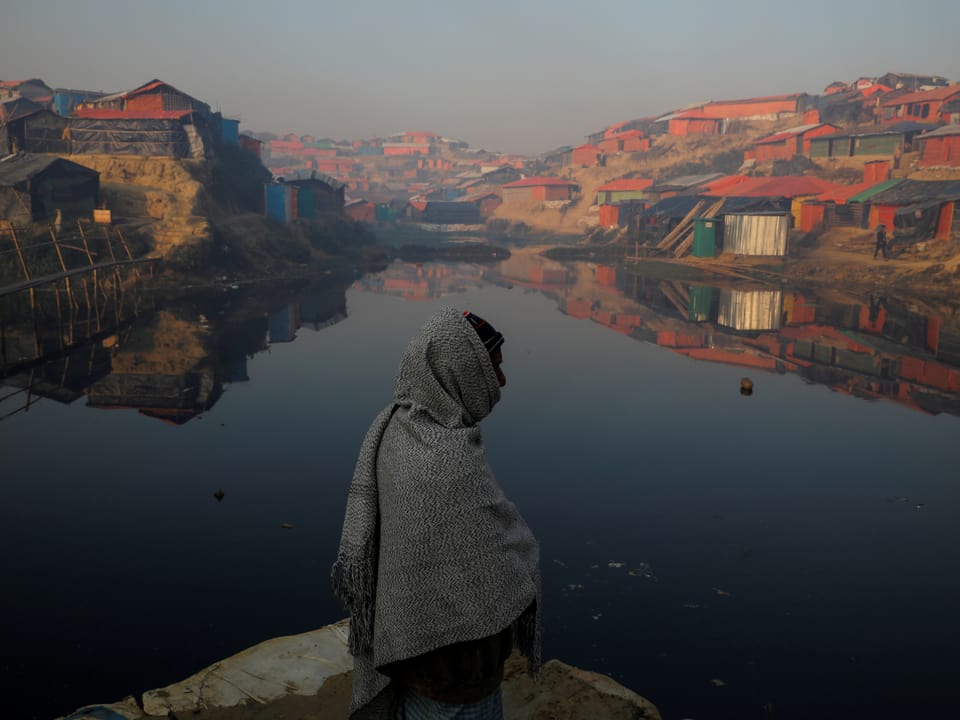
<point x="107" y="114"/>
<point x="623" y="184"/>
<point x="941" y="93"/>
<point x="539" y="181"/>
<point x="787" y="186"/>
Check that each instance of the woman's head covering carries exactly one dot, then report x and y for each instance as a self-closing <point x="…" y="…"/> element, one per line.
<point x="446" y="371"/>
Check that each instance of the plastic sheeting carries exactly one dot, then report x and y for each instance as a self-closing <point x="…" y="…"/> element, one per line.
<point x="163" y="138"/>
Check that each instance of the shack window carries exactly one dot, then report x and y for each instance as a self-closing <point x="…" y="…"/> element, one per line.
<point x="926" y="110"/>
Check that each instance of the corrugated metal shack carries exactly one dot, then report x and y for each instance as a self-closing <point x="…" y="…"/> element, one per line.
<point x="318" y="194"/>
<point x="895" y="140"/>
<point x="33" y="188"/>
<point x="918" y="210"/>
<point x="756" y="233"/>
<point x="65" y="100"/>
<point x="280" y="201"/>
<point x="26" y="126"/>
<point x="940" y="147"/>
<point x="540" y="189"/>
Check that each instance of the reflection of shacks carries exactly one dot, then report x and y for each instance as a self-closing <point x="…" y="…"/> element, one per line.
<point x="756" y="233"/>
<point x="750" y="310"/>
<point x="163" y="370"/>
<point x="34" y="188"/>
<point x="701" y="303"/>
<point x="607" y="275"/>
<point x="175" y="398"/>
<point x="579" y="308"/>
<point x="547" y="276"/>
<point x="282" y="325"/>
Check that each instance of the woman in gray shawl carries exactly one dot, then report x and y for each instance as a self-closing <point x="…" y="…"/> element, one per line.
<point x="437" y="568"/>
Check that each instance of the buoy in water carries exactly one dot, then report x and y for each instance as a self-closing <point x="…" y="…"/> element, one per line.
<point x="219" y="495"/>
<point x="746" y="386"/>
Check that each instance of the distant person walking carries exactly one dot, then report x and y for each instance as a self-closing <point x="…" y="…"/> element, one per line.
<point x="881" y="246"/>
<point x="438" y="569"/>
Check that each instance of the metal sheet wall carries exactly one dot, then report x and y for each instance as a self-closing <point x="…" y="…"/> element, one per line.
<point x="747" y="234"/>
<point x="751" y="310"/>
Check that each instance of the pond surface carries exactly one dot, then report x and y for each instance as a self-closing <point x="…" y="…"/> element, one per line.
<point x="792" y="552"/>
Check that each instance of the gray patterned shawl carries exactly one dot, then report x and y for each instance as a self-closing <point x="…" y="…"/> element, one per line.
<point x="431" y="552"/>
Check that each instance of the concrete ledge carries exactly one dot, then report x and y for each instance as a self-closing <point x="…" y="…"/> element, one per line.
<point x="308" y="677"/>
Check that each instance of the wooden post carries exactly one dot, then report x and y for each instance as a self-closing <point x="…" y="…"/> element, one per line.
<point x="56" y="290"/>
<point x="86" y="249"/>
<point x="124" y="243"/>
<point x="3" y="336"/>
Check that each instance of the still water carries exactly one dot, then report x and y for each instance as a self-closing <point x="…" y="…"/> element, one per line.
<point x="791" y="553"/>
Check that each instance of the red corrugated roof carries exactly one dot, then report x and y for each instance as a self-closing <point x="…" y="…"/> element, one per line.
<point x="625" y="134"/>
<point x="941" y="93"/>
<point x="695" y="115"/>
<point x="792" y="132"/>
<point x="765" y="98"/>
<point x="725" y="182"/>
<point x="842" y="193"/>
<point x="787" y="186"/>
<point x="107" y="114"/>
<point x="625" y="184"/>
<point x="586" y="146"/>
<point x="538" y="181"/>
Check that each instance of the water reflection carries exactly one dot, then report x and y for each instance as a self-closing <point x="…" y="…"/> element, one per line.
<point x="874" y="348"/>
<point x="170" y="362"/>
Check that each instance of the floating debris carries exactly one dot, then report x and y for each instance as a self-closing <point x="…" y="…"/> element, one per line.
<point x="717" y="682"/>
<point x="693" y="606"/>
<point x="616" y="564"/>
<point x="574" y="586"/>
<point x="920" y="505"/>
<point x="286" y="526"/>
<point x="644" y="570"/>
<point x="721" y="593"/>
<point x="219" y="494"/>
<point x="746" y="386"/>
<point x="560" y="563"/>
<point x="598" y="616"/>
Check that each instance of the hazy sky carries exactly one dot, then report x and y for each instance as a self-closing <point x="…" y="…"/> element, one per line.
<point x="510" y="75"/>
